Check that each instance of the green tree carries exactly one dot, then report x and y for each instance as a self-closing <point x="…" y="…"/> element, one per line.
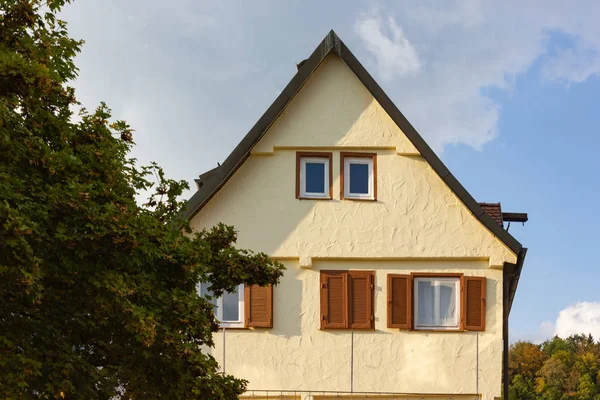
<point x="525" y="359"/>
<point x="554" y="377"/>
<point x="97" y="293"/>
<point x="587" y="389"/>
<point x="522" y="388"/>
<point x="558" y="369"/>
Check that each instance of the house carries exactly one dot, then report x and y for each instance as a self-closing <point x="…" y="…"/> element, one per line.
<point x="398" y="283"/>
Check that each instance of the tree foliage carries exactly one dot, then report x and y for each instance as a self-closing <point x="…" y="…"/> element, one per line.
<point x="558" y="369"/>
<point x="97" y="292"/>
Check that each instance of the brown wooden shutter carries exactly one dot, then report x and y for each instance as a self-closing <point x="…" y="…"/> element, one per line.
<point x="334" y="300"/>
<point x="474" y="303"/>
<point x="399" y="299"/>
<point x="360" y="299"/>
<point x="258" y="306"/>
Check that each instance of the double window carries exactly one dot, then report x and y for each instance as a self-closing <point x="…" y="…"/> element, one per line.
<point x="421" y="301"/>
<point x="358" y="175"/>
<point x="247" y="306"/>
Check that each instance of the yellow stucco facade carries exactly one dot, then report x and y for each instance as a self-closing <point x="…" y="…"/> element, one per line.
<point x="417" y="224"/>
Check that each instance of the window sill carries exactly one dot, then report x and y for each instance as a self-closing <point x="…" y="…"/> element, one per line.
<point x="236" y="328"/>
<point x="347" y="329"/>
<point x="244" y="328"/>
<point x="438" y="330"/>
<point x="358" y="199"/>
<point x="314" y="198"/>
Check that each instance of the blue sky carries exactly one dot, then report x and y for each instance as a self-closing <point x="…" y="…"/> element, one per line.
<point x="506" y="93"/>
<point x="545" y="162"/>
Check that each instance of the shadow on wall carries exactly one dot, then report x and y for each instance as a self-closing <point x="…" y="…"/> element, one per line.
<point x="259" y="200"/>
<point x="287" y="300"/>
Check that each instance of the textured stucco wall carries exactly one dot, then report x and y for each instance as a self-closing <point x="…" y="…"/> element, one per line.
<point x="416" y="219"/>
<point x="334" y="109"/>
<point x="416" y="214"/>
<point x="297" y="355"/>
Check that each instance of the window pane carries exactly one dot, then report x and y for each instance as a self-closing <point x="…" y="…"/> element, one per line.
<point x="231" y="310"/>
<point x="426" y="305"/>
<point x="315" y="177"/>
<point x="359" y="178"/>
<point x="204" y="292"/>
<point x="447" y="303"/>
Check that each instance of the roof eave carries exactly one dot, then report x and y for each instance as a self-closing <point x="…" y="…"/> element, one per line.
<point x="516" y="276"/>
<point x="243" y="149"/>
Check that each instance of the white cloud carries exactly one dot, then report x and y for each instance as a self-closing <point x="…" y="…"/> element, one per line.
<point x="572" y="65"/>
<point x="192" y="78"/>
<point x="466" y="47"/>
<point x="394" y="53"/>
<point x="582" y="318"/>
<point x="545" y="331"/>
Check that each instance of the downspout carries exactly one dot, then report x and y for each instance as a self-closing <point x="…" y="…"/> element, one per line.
<point x="510" y="277"/>
<point x="477" y="364"/>
<point x="507" y="275"/>
<point x="352" y="362"/>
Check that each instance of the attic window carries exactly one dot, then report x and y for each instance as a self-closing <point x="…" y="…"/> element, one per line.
<point x="359" y="176"/>
<point x="313" y="175"/>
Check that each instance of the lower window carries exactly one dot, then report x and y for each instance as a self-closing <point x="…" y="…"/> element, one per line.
<point x="229" y="308"/>
<point x="437" y="303"/>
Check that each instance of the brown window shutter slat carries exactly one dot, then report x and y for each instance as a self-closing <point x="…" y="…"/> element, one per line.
<point x="334" y="300"/>
<point x="399" y="299"/>
<point x="258" y="306"/>
<point x="360" y="299"/>
<point x="474" y="300"/>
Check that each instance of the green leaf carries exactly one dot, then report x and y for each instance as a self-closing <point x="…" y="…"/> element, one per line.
<point x="97" y="292"/>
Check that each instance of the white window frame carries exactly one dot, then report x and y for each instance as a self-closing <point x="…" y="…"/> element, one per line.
<point x="219" y="309"/>
<point x="314" y="195"/>
<point x="348" y="176"/>
<point x="438" y="323"/>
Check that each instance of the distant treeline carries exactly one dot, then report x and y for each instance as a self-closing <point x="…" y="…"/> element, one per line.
<point x="558" y="369"/>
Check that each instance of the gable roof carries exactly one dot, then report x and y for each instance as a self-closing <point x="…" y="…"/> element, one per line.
<point x="210" y="183"/>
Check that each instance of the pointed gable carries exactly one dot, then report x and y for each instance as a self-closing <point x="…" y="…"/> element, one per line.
<point x="334" y="109"/>
<point x="329" y="54"/>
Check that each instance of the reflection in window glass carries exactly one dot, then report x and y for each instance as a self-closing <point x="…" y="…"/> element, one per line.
<point x="426" y="303"/>
<point x="315" y="177"/>
<point x="231" y="310"/>
<point x="359" y="178"/>
<point x="447" y="303"/>
<point x="228" y="308"/>
<point x="204" y="292"/>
